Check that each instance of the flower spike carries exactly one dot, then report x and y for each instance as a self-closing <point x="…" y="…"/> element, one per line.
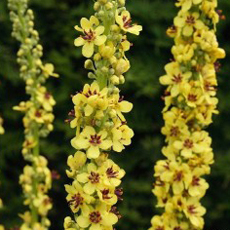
<point x="36" y="179"/>
<point x="190" y="102"/>
<point x="98" y="117"/>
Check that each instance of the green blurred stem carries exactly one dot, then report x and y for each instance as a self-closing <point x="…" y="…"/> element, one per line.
<point x="35" y="128"/>
<point x="34" y="211"/>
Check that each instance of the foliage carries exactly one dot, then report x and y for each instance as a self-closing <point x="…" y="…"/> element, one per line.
<point x="55" y="20"/>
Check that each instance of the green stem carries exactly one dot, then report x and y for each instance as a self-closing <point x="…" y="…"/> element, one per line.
<point x="36" y="150"/>
<point x="35" y="128"/>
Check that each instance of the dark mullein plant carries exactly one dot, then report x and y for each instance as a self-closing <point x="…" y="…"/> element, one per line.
<point x="36" y="179"/>
<point x="98" y="119"/>
<point x="190" y="102"/>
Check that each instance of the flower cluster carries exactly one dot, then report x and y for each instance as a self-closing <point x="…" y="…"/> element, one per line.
<point x="36" y="177"/>
<point x="190" y="102"/>
<point x="98" y="117"/>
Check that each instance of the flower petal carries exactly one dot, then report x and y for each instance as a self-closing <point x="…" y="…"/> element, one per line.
<point x="88" y="49"/>
<point x="93" y="152"/>
<point x="100" y="40"/>
<point x="79" y="41"/>
<point x="85" y="24"/>
<point x="83" y="221"/>
<point x="99" y="30"/>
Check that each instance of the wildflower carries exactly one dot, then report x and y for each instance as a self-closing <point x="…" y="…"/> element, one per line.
<point x="93" y="35"/>
<point x="77" y="198"/>
<point x="187" y="4"/>
<point x="122" y="135"/>
<point x="125" y="22"/>
<point x="91" y="179"/>
<point x="194" y="211"/>
<point x="48" y="70"/>
<point x="95" y="218"/>
<point x="196" y="142"/>
<point x="189" y="22"/>
<point x="92" y="141"/>
<point x="45" y="98"/>
<point x="112" y="173"/>
<point x="76" y="162"/>
<point x="36" y="178"/>
<point x="190" y="102"/>
<point x="98" y="119"/>
<point x="177" y="80"/>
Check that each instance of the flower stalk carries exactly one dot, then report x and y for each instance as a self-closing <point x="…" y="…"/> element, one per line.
<point x="101" y="127"/>
<point x="36" y="178"/>
<point x="190" y="102"/>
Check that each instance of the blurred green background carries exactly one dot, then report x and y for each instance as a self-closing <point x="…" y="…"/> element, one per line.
<point x="55" y="20"/>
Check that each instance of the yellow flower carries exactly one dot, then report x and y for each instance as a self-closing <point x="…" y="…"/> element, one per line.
<point x="48" y="70"/>
<point x="158" y="223"/>
<point x="121" y="66"/>
<point x="28" y="144"/>
<point x="77" y="198"/>
<point x="92" y="141"/>
<point x="43" y="204"/>
<point x="184" y="53"/>
<point x="75" y="163"/>
<point x="26" y="217"/>
<point x="108" y="196"/>
<point x="175" y="224"/>
<point x="23" y="106"/>
<point x="119" y="106"/>
<point x="189" y="22"/>
<point x="205" y="111"/>
<point x="40" y="116"/>
<point x="112" y="174"/>
<point x="181" y="177"/>
<point x="45" y="98"/>
<point x="194" y="96"/>
<point x="70" y="224"/>
<point x="163" y="170"/>
<point x="96" y="218"/>
<point x="92" y="35"/>
<point x="174" y="126"/>
<point x="125" y="44"/>
<point x="161" y="191"/>
<point x="194" y="211"/>
<point x="187" y="4"/>
<point x="91" y="179"/>
<point x="107" y="50"/>
<point x="122" y="135"/>
<point x="196" y="142"/>
<point x="125" y="22"/>
<point x="177" y="80"/>
<point x="198" y="185"/>
<point x="90" y="99"/>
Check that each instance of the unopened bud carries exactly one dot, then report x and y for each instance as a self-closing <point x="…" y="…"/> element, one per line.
<point x="114" y="80"/>
<point x="89" y="64"/>
<point x="97" y="57"/>
<point x="91" y="75"/>
<point x="122" y="79"/>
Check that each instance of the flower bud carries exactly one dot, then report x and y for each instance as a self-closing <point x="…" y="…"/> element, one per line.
<point x="89" y="64"/>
